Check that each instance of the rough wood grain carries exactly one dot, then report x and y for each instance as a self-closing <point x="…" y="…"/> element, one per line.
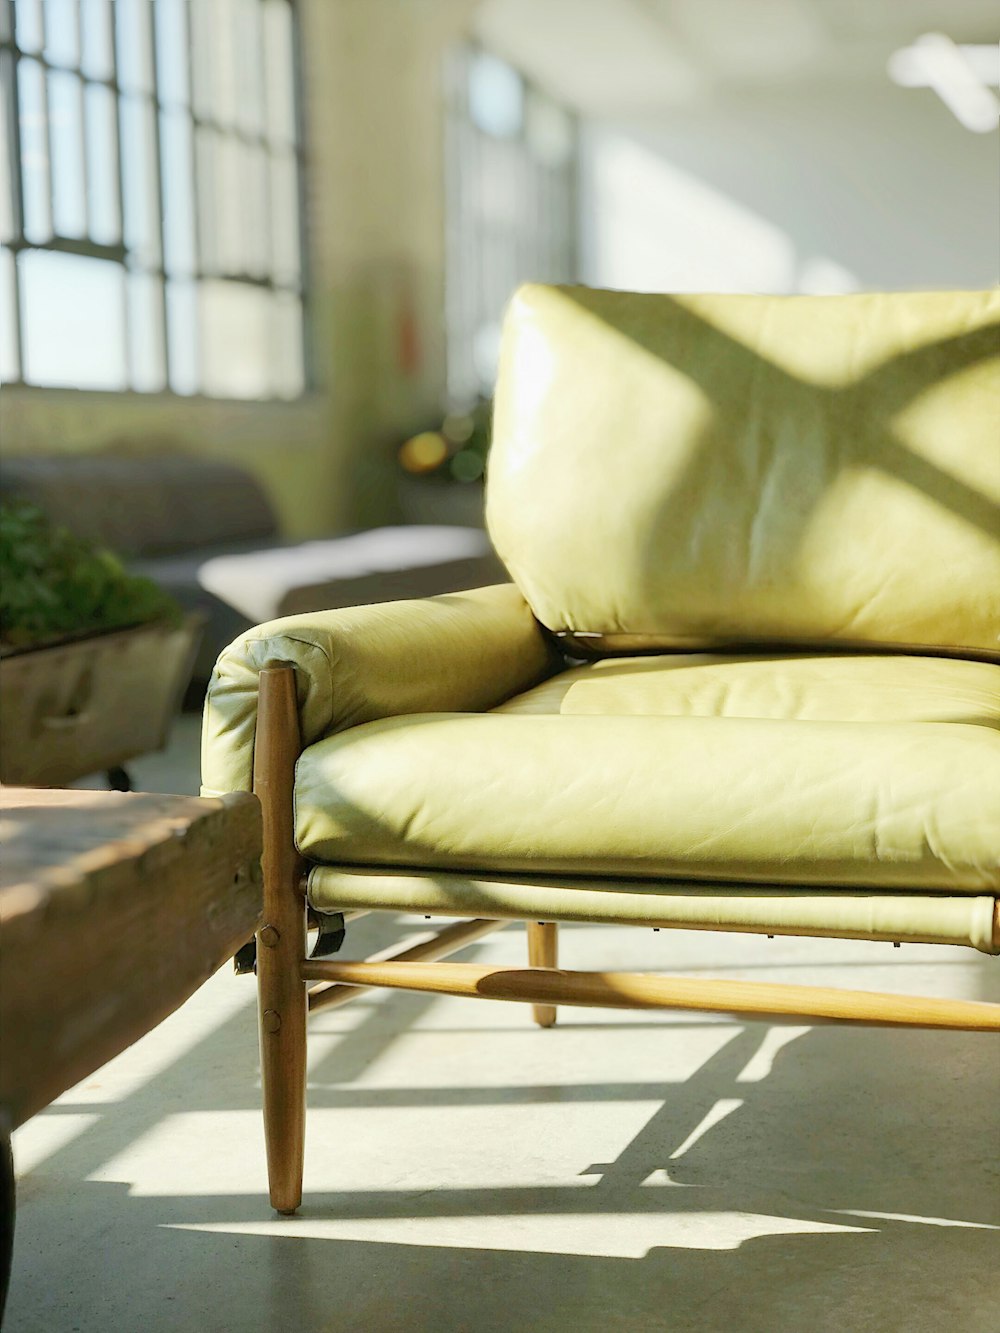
<point x="629" y="990"/>
<point x="114" y="908"/>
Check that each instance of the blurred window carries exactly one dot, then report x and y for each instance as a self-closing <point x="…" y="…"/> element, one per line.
<point x="511" y="206"/>
<point x="150" y="196"/>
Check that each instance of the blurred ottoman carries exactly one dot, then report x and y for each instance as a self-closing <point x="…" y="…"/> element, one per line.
<point x="380" y="565"/>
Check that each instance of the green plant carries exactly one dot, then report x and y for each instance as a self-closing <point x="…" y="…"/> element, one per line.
<point x="54" y="584"/>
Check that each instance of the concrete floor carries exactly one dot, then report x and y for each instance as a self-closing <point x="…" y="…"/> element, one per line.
<point x="467" y="1171"/>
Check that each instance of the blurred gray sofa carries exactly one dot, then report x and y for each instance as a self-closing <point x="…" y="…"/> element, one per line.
<point x="207" y="533"/>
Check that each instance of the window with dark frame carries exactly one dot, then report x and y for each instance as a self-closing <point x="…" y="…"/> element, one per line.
<point x="150" y="197"/>
<point x="511" y="158"/>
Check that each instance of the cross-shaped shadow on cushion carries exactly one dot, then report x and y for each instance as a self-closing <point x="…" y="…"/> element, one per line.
<point x="784" y="424"/>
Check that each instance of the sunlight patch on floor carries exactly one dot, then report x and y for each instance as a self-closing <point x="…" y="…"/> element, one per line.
<point x="45" y="1135"/>
<point x="911" y="1217"/>
<point x="617" y="1235"/>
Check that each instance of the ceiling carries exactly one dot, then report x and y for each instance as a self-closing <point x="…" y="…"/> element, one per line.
<point x="611" y="57"/>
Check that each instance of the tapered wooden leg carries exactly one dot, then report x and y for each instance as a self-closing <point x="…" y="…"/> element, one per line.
<point x="281" y="941"/>
<point x="543" y="951"/>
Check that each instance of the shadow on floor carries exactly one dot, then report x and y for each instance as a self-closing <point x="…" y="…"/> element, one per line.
<point x="872" y="1153"/>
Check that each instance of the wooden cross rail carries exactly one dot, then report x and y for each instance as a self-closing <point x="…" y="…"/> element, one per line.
<point x="442" y="945"/>
<point x="629" y="990"/>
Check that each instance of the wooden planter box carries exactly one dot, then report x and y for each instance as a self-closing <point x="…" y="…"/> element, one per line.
<point x="91" y="704"/>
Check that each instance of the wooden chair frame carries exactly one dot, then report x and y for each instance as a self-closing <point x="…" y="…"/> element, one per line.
<point x="283" y="968"/>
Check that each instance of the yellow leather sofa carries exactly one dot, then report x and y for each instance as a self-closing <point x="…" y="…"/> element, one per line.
<point x="746" y="677"/>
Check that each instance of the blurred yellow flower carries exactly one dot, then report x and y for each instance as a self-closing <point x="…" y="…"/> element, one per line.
<point x="423" y="452"/>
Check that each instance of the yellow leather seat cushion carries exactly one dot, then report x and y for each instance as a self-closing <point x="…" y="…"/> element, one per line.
<point x="827" y="687"/>
<point x="726" y="770"/>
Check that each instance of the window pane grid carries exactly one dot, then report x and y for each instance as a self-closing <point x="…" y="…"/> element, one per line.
<point x="32" y="112"/>
<point x="66" y="155"/>
<point x="194" y="179"/>
<point x="62" y="34"/>
<point x="510" y="157"/>
<point x="97" y="46"/>
<point x="104" y="212"/>
<point x="10" y="153"/>
<point x="29" y="28"/>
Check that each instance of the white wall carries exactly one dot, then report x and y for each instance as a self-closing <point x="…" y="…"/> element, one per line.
<point x="859" y="186"/>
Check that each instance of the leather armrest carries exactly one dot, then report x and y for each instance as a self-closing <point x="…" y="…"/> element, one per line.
<point x="461" y="652"/>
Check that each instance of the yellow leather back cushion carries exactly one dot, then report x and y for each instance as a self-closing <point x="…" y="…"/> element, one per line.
<point x="682" y="471"/>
